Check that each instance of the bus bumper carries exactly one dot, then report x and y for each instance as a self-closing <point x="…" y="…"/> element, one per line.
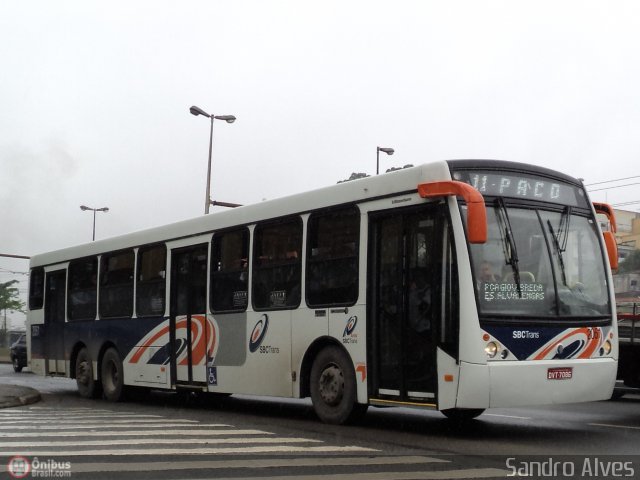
<point x="515" y="384"/>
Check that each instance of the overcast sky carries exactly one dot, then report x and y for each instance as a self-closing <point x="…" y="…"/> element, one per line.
<point x="95" y="97"/>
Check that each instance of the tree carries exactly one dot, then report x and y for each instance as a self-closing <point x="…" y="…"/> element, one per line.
<point x="9" y="297"/>
<point x="354" y="176"/>
<point x="631" y="263"/>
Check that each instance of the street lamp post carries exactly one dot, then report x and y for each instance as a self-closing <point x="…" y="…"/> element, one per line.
<point x="388" y="151"/>
<point x="227" y="118"/>
<point x="94" y="210"/>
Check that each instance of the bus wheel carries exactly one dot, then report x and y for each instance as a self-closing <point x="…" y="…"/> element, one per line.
<point x="462" y="414"/>
<point x="333" y="387"/>
<point x="87" y="386"/>
<point x="112" y="376"/>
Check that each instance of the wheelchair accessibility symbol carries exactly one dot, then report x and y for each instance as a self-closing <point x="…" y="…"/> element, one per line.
<point x="212" y="375"/>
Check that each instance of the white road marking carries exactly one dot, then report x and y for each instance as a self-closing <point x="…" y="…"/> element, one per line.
<point x="191" y="451"/>
<point x="102" y="425"/>
<point x="142" y="433"/>
<point x="251" y="463"/>
<point x="613" y="426"/>
<point x="506" y="416"/>
<point x="156" y="441"/>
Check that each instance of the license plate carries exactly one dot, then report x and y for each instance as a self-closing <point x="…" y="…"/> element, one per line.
<point x="560" y="373"/>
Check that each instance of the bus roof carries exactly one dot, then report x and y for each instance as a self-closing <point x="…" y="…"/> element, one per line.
<point x="400" y="181"/>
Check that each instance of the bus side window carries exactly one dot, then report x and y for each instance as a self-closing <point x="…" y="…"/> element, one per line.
<point x="151" y="283"/>
<point x="36" y="289"/>
<point x="277" y="265"/>
<point x="229" y="271"/>
<point x="332" y="258"/>
<point x="83" y="289"/>
<point x="116" y="285"/>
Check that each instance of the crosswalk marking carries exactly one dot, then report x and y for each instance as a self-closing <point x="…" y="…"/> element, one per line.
<point x="190" y="451"/>
<point x="470" y="473"/>
<point x="102" y="425"/>
<point x="156" y="441"/>
<point x="220" y="432"/>
<point x="83" y="435"/>
<point x="80" y="422"/>
<point x="255" y="463"/>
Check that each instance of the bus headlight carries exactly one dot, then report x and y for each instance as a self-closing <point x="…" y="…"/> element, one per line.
<point x="491" y="349"/>
<point x="606" y="346"/>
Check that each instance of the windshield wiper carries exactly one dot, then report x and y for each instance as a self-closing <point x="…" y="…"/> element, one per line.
<point x="509" y="242"/>
<point x="563" y="228"/>
<point x="561" y="245"/>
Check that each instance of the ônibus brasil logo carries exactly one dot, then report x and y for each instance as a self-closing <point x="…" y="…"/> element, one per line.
<point x="258" y="333"/>
<point x="19" y="467"/>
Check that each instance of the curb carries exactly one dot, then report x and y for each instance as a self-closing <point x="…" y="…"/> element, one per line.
<point x="23" y="396"/>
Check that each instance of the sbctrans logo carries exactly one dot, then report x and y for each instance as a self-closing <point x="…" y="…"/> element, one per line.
<point x="19" y="467"/>
<point x="351" y="326"/>
<point x="349" y="336"/>
<point x="258" y="333"/>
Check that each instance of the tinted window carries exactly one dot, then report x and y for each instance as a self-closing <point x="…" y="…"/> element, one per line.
<point x="229" y="271"/>
<point x="332" y="258"/>
<point x="83" y="289"/>
<point x="116" y="285"/>
<point x="36" y="289"/>
<point x="277" y="265"/>
<point x="150" y="290"/>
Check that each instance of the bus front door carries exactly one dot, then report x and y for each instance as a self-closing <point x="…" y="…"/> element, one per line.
<point x="405" y="272"/>
<point x="188" y="324"/>
<point x="54" y="317"/>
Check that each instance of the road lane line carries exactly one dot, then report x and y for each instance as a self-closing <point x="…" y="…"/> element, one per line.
<point x="506" y="416"/>
<point x="613" y="426"/>
<point x="251" y="463"/>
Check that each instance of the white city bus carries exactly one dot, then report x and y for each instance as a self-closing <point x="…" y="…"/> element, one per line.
<point x="456" y="285"/>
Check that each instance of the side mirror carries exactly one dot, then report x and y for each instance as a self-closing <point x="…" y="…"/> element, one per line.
<point x="612" y="249"/>
<point x="476" y="211"/>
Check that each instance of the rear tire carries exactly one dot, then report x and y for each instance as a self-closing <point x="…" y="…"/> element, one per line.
<point x="87" y="386"/>
<point x="111" y="375"/>
<point x="462" y="415"/>
<point x="333" y="387"/>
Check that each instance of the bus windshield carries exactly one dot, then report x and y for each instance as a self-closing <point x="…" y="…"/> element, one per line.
<point x="539" y="263"/>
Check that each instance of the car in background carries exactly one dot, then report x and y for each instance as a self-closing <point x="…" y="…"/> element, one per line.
<point x="19" y="353"/>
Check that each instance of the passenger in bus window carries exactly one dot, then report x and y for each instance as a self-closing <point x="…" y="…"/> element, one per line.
<point x="486" y="274"/>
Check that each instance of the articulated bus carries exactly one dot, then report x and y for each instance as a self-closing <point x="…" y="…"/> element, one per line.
<point x="457" y="285"/>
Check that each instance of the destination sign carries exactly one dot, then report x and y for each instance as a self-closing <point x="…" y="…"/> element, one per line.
<point x="522" y="186"/>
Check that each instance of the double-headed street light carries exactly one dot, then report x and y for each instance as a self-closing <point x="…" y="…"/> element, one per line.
<point x="388" y="151"/>
<point x="94" y="210"/>
<point x="227" y="118"/>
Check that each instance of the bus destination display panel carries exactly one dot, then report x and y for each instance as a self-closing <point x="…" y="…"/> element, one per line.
<point x="523" y="186"/>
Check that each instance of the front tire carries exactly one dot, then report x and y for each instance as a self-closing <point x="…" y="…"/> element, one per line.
<point x="333" y="387"/>
<point x="462" y="415"/>
<point x="112" y="376"/>
<point x="87" y="386"/>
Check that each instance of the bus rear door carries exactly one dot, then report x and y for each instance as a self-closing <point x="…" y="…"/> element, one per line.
<point x="54" y="318"/>
<point x="188" y="325"/>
